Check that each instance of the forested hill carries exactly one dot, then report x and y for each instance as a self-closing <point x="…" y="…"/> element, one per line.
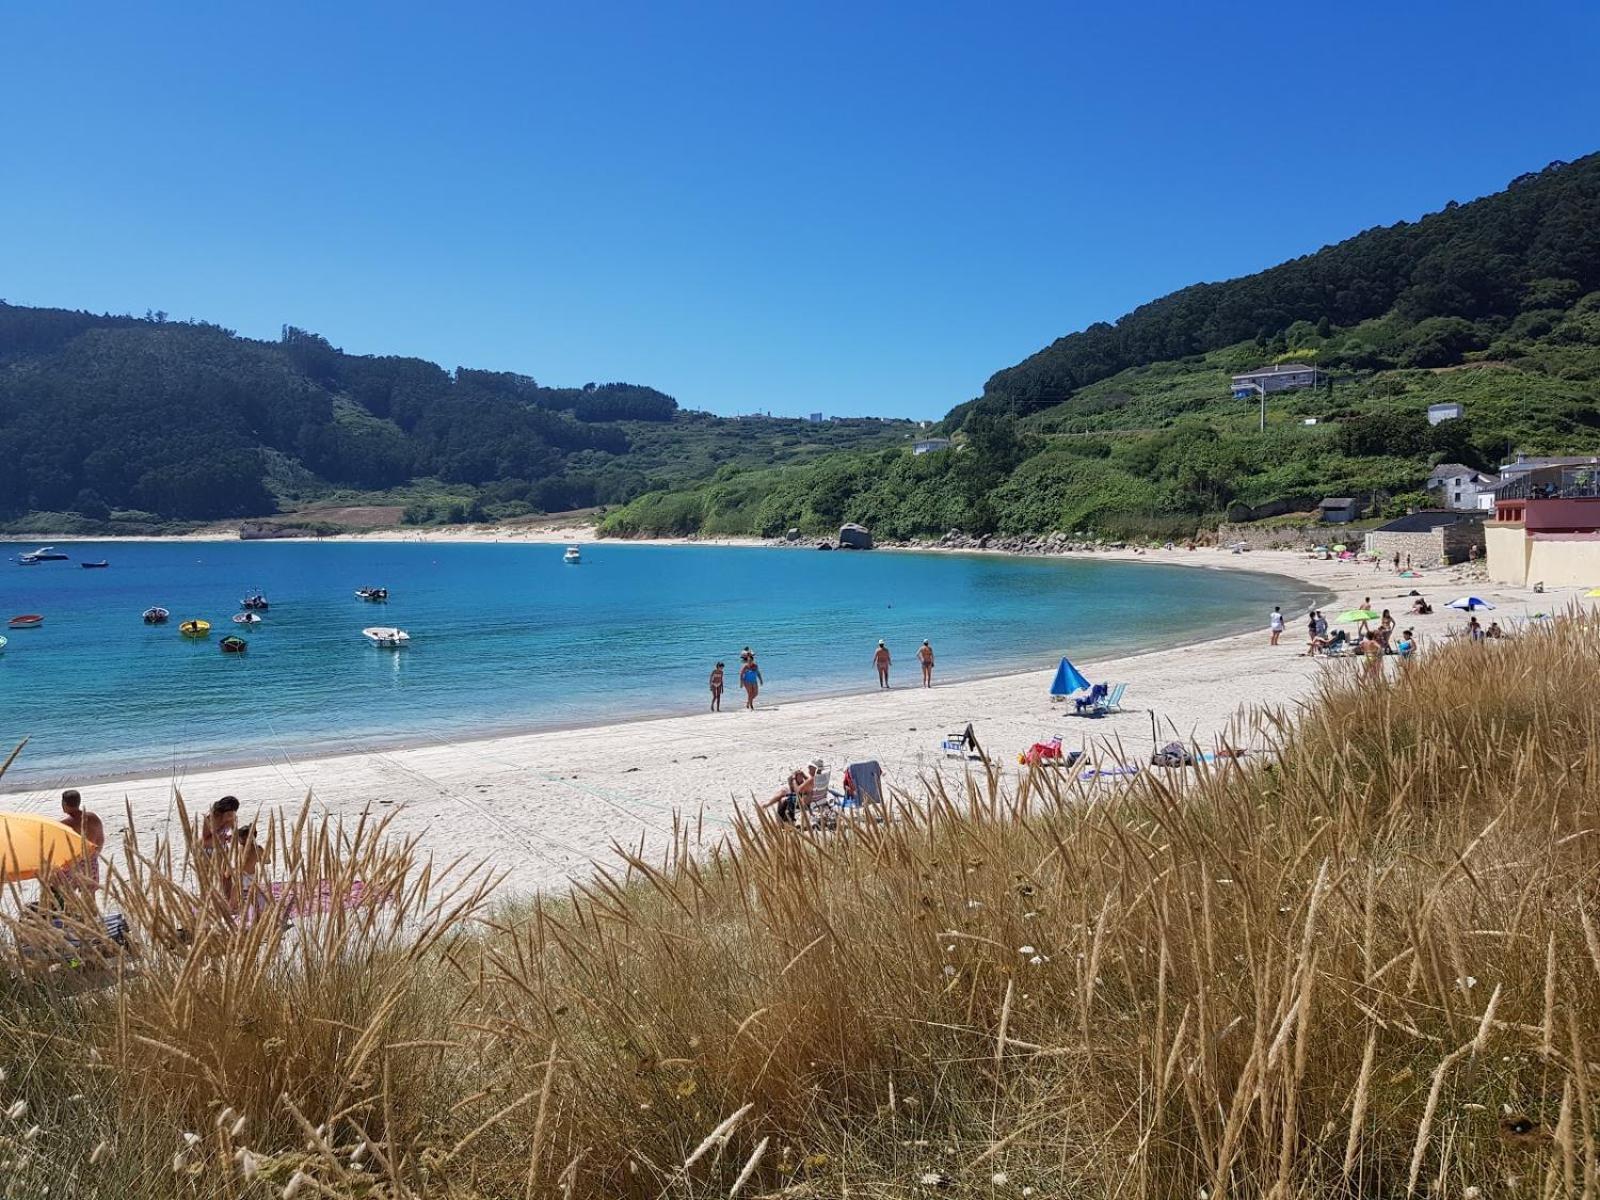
<point x="1450" y="276"/>
<point x="1132" y="428"/>
<point x="151" y="420"/>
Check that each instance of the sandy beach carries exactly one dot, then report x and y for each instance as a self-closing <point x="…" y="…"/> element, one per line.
<point x="542" y="807"/>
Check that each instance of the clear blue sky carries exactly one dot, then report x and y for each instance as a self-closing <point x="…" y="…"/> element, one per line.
<point x="850" y="207"/>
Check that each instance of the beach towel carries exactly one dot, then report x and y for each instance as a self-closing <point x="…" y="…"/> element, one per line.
<point x="303" y="901"/>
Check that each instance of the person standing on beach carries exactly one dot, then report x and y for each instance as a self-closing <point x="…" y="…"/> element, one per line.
<point x="925" y="657"/>
<point x="749" y="679"/>
<point x="82" y="878"/>
<point x="716" y="688"/>
<point x="880" y="659"/>
<point x="1275" y="625"/>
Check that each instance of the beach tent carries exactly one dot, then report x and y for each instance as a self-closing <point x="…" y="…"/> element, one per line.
<point x="1068" y="680"/>
<point x="29" y="843"/>
<point x="1468" y="603"/>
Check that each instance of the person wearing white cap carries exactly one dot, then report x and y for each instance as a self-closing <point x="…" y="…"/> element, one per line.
<point x="880" y="659"/>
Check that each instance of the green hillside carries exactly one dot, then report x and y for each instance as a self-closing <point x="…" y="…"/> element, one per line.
<point x="1131" y="428"/>
<point x="111" y="423"/>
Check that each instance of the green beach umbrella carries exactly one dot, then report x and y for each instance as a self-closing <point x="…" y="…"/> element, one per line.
<point x="1359" y="614"/>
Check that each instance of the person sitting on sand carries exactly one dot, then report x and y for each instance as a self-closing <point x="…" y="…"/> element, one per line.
<point x="1474" y="629"/>
<point x="925" y="657"/>
<point x="1406" y="647"/>
<point x="251" y="896"/>
<point x="787" y="798"/>
<point x="217" y="828"/>
<point x="1494" y="630"/>
<point x="716" y="688"/>
<point x="1420" y="607"/>
<point x="880" y="659"/>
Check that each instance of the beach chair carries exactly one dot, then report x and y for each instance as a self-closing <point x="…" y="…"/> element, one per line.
<point x="963" y="745"/>
<point x="1113" y="702"/>
<point x="1088" y="705"/>
<point x="863" y="785"/>
<point x="70" y="941"/>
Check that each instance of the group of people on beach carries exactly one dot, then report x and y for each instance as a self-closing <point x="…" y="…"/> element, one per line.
<point x="1372" y="640"/>
<point x="230" y="860"/>
<point x="750" y="678"/>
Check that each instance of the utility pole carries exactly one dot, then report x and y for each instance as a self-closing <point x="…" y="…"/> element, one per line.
<point x="1263" y="392"/>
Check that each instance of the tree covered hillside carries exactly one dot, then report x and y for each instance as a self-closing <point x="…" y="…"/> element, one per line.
<point x="1132" y="427"/>
<point x="163" y="420"/>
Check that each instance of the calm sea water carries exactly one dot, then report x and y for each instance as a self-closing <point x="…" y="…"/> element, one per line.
<point x="510" y="637"/>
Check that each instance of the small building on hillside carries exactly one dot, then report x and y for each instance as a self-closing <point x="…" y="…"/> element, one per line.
<point x="1337" y="510"/>
<point x="1439" y="413"/>
<point x="1429" y="538"/>
<point x="1280" y="378"/>
<point x="1525" y="464"/>
<point x="815" y="418"/>
<point x="1461" y="489"/>
<point x="929" y="445"/>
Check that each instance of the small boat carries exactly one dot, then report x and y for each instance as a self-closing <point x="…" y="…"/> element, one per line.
<point x="246" y="618"/>
<point x="42" y="554"/>
<point x="90" y="566"/>
<point x="386" y="636"/>
<point x="195" y="628"/>
<point x="2" y="645"/>
<point x="233" y="645"/>
<point x="156" y="615"/>
<point x="26" y="621"/>
<point x="255" y="602"/>
<point x="374" y="595"/>
<point x="573" y="555"/>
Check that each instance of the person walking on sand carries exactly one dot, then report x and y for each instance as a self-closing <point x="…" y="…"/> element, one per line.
<point x="880" y="659"/>
<point x="925" y="657"/>
<point x="1275" y="625"/>
<point x="716" y="688"/>
<point x="82" y="877"/>
<point x="750" y="679"/>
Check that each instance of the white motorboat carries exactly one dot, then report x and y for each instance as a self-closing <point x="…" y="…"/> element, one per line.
<point x="246" y="618"/>
<point x="386" y="636"/>
<point x="573" y="555"/>
<point x="42" y="554"/>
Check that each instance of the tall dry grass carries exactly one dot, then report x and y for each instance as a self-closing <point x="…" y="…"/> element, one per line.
<point x="1366" y="965"/>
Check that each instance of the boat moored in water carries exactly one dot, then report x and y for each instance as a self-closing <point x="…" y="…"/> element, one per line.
<point x="195" y="628"/>
<point x="233" y="645"/>
<point x="2" y="645"/>
<point x="573" y="555"/>
<point x="42" y="554"/>
<point x="89" y="566"/>
<point x="26" y="621"/>
<point x="255" y="602"/>
<point x="386" y="636"/>
<point x="373" y="595"/>
<point x="246" y="618"/>
<point x="156" y="615"/>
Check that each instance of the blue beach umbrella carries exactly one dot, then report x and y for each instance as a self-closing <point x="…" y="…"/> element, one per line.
<point x="1068" y="680"/>
<point x="1468" y="603"/>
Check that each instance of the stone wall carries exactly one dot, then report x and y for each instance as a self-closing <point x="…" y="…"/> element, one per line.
<point x="1460" y="539"/>
<point x="1446" y="544"/>
<point x="1283" y="537"/>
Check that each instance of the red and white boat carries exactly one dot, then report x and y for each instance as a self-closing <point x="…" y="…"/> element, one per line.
<point x="26" y="621"/>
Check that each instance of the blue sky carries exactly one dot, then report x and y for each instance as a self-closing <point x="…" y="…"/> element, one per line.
<point x="848" y="207"/>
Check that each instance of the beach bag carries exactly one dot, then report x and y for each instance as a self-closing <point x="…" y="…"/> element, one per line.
<point x="1172" y="755"/>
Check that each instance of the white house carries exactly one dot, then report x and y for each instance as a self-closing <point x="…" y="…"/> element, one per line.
<point x="1439" y="413"/>
<point x="929" y="445"/>
<point x="1461" y="489"/>
<point x="1280" y="378"/>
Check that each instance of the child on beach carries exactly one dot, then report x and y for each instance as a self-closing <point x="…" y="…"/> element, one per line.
<point x="716" y="688"/>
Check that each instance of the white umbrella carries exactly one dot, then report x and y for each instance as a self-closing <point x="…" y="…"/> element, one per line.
<point x="1468" y="603"/>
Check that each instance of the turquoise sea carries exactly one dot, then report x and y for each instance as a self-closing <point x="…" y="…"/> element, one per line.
<point x="508" y="637"/>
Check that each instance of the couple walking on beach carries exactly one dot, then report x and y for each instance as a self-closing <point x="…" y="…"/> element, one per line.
<point x="749" y="679"/>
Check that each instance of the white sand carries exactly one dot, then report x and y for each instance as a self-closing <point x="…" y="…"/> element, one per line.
<point x="542" y="806"/>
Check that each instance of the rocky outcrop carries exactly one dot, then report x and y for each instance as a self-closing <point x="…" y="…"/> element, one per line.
<point x="855" y="537"/>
